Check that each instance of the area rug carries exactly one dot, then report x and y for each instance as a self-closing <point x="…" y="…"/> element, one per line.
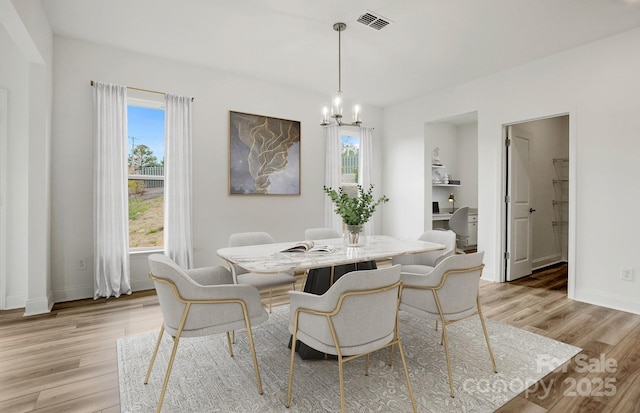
<point x="206" y="379"/>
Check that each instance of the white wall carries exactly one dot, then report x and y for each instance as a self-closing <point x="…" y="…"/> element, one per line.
<point x="597" y="85"/>
<point x="467" y="173"/>
<point x="26" y="46"/>
<point x="216" y="214"/>
<point x="14" y="69"/>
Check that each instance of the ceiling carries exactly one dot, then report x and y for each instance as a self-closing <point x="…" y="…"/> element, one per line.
<point x="428" y="45"/>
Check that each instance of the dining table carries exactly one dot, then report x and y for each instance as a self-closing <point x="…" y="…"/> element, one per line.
<point x="323" y="265"/>
<point x="272" y="258"/>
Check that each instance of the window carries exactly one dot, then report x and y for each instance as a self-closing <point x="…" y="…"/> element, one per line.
<point x="146" y="172"/>
<point x="350" y="154"/>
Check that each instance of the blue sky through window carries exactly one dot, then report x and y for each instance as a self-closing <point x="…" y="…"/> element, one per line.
<point x="146" y="125"/>
<point x="351" y="140"/>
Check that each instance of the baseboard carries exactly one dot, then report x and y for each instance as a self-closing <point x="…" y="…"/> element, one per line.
<point x="546" y="261"/>
<point x="489" y="276"/>
<point x="31" y="307"/>
<point x="141" y="285"/>
<point x="39" y="306"/>
<point x="72" y="294"/>
<point x="613" y="301"/>
<point x="15" y="301"/>
<point x="82" y="292"/>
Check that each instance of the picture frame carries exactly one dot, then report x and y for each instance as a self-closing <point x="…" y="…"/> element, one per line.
<point x="264" y="155"/>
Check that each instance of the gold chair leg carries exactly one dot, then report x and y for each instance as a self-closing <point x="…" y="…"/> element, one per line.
<point x="486" y="337"/>
<point x="229" y="342"/>
<point x="446" y="350"/>
<point x="293" y="352"/>
<point x="155" y="353"/>
<point x="436" y="325"/>
<point x="253" y="348"/>
<point x="366" y="366"/>
<point x="270" y="301"/>
<point x="341" y="376"/>
<point x="255" y="362"/>
<point x="176" y="340"/>
<point x="406" y="374"/>
<point x="390" y="362"/>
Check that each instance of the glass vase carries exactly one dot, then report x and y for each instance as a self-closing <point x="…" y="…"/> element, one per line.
<point x="354" y="235"/>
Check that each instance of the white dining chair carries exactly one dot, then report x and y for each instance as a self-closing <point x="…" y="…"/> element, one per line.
<point x="448" y="294"/>
<point x="261" y="281"/>
<point x="356" y="316"/>
<point x="201" y="302"/>
<point x="425" y="262"/>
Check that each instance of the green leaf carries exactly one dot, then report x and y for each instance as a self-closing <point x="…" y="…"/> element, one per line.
<point x="355" y="210"/>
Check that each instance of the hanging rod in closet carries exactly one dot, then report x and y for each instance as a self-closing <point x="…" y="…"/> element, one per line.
<point x="144" y="90"/>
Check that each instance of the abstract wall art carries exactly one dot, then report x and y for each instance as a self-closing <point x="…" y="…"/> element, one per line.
<point x="264" y="155"/>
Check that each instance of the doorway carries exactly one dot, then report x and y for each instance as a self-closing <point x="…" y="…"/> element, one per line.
<point x="536" y="187"/>
<point x="451" y="172"/>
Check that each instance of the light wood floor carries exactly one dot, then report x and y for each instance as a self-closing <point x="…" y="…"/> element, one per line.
<point x="65" y="361"/>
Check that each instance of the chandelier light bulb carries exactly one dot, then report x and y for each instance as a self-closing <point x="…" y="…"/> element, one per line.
<point x="337" y="104"/>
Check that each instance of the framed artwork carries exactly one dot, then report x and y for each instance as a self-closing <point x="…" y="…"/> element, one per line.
<point x="264" y="155"/>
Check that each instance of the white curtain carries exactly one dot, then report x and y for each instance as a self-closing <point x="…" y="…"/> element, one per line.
<point x="177" y="181"/>
<point x="332" y="175"/>
<point x="364" y="166"/>
<point x="110" y="191"/>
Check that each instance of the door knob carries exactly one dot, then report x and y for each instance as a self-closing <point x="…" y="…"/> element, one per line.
<point x="531" y="210"/>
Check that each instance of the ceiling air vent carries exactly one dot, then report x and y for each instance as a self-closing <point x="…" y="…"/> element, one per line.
<point x="373" y="21"/>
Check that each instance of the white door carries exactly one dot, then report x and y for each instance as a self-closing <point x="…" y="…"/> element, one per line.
<point x="518" y="253"/>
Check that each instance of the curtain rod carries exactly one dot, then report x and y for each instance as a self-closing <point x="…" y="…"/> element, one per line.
<point x="145" y="90"/>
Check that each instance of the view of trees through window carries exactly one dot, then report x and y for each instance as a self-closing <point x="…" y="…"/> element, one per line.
<point x="350" y="152"/>
<point x="146" y="176"/>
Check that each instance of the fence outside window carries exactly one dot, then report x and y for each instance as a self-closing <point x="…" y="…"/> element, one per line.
<point x="349" y="164"/>
<point x="156" y="171"/>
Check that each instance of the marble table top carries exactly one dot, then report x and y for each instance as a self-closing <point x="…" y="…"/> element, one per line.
<point x="269" y="258"/>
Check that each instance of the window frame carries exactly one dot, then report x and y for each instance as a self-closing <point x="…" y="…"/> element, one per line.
<point x="152" y="101"/>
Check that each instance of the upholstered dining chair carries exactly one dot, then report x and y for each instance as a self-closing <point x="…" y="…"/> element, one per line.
<point x="425" y="262"/>
<point x="320" y="233"/>
<point x="260" y="281"/>
<point x="356" y="316"/>
<point x="447" y="294"/>
<point x="459" y="223"/>
<point x="201" y="302"/>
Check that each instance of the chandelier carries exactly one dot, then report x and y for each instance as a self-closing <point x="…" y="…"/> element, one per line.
<point x="336" y="106"/>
